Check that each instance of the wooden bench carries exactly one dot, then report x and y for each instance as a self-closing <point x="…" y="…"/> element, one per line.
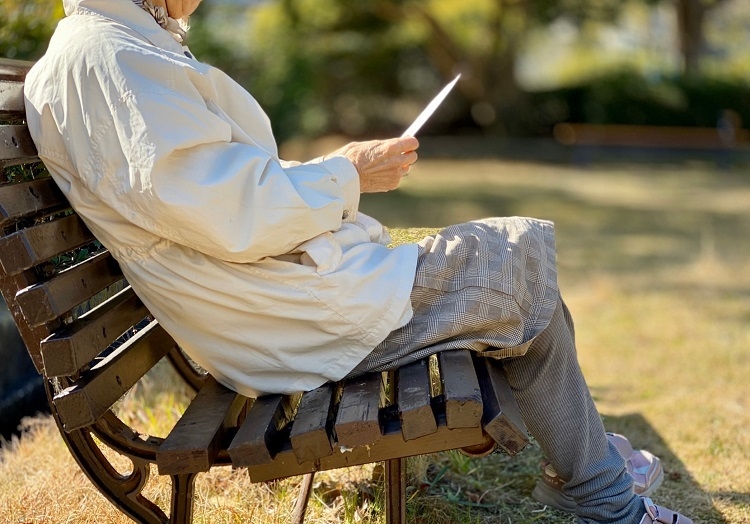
<point x="92" y="340"/>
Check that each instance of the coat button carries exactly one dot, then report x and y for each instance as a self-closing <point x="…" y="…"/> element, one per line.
<point x="345" y="214"/>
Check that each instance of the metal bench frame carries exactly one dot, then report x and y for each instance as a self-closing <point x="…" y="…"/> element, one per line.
<point x="70" y="320"/>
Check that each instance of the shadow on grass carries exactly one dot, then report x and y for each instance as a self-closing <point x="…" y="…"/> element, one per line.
<point x="680" y="491"/>
<point x="497" y="489"/>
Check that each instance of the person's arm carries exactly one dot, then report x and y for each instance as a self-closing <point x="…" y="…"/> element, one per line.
<point x="175" y="172"/>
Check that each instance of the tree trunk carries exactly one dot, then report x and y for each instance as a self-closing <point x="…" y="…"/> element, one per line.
<point x="691" y="15"/>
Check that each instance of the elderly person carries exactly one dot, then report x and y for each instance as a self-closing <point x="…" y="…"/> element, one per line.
<point x="265" y="272"/>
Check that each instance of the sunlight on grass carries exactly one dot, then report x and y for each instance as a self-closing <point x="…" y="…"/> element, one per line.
<point x="655" y="267"/>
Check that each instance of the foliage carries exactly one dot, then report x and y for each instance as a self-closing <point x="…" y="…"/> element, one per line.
<point x="26" y="27"/>
<point x="629" y="98"/>
<point x="326" y="67"/>
<point x="365" y="68"/>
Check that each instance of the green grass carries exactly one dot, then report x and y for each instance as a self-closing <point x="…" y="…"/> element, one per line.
<point x="655" y="267"/>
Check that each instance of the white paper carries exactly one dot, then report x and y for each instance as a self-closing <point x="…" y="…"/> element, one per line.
<point x="431" y="107"/>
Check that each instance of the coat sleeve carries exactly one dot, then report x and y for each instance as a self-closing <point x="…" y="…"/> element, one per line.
<point x="170" y="166"/>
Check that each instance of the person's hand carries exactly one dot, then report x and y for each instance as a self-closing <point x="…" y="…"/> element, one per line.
<point x="381" y="164"/>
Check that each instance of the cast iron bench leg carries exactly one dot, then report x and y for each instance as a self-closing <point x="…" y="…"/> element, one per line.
<point x="183" y="488"/>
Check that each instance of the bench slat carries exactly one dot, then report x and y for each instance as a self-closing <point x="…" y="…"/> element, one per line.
<point x="358" y="417"/>
<point x="311" y="433"/>
<point x="261" y="434"/>
<point x="390" y="445"/>
<point x="11" y="100"/>
<point x="31" y="246"/>
<point x="30" y="335"/>
<point x="16" y="145"/>
<point x="12" y="75"/>
<point x="501" y="418"/>
<point x="85" y="401"/>
<point x="195" y="441"/>
<point x="15" y="70"/>
<point x="54" y="298"/>
<point x="414" y="401"/>
<point x="77" y="344"/>
<point x="463" y="398"/>
<point x="36" y="197"/>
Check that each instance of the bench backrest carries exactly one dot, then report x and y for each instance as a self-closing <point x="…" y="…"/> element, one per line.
<point x="81" y="322"/>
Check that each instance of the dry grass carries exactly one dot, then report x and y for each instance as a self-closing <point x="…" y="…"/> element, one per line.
<point x="655" y="266"/>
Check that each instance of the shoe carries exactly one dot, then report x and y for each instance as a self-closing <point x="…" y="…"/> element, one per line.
<point x="644" y="467"/>
<point x="657" y="514"/>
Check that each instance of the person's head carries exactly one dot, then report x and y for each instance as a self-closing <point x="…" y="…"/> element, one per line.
<point x="178" y="9"/>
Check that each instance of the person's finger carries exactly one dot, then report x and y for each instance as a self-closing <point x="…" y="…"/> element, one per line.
<point x="410" y="157"/>
<point x="390" y="164"/>
<point x="401" y="159"/>
<point x="410" y="143"/>
<point x="401" y="145"/>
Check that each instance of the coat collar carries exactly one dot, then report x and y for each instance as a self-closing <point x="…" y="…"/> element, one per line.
<point x="128" y="14"/>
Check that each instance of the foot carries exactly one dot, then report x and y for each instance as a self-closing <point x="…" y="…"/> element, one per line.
<point x="657" y="514"/>
<point x="644" y="467"/>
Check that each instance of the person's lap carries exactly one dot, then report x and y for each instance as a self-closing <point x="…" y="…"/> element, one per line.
<point x="488" y="286"/>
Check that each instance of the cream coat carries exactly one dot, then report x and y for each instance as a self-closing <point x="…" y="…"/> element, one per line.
<point x="262" y="270"/>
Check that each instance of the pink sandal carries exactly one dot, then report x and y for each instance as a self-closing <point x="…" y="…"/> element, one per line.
<point x="657" y="514"/>
<point x="643" y="466"/>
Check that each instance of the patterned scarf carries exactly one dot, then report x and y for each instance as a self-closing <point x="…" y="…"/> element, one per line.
<point x="177" y="28"/>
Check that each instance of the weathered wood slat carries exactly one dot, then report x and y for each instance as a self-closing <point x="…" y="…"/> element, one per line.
<point x="501" y="418"/>
<point x="16" y="145"/>
<point x="311" y="432"/>
<point x="85" y="401"/>
<point x="12" y="75"/>
<point x="31" y="335"/>
<point x="52" y="299"/>
<point x="358" y="417"/>
<point x="463" y="398"/>
<point x="14" y="70"/>
<point x="194" y="442"/>
<point x="414" y="401"/>
<point x="33" y="198"/>
<point x="31" y="246"/>
<point x="261" y="435"/>
<point x="390" y="445"/>
<point x="11" y="98"/>
<point x="77" y="344"/>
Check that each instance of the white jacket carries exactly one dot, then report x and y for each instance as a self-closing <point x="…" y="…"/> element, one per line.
<point x="262" y="270"/>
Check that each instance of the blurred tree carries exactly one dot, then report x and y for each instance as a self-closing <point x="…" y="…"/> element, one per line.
<point x="691" y="17"/>
<point x="315" y="54"/>
<point x="367" y="66"/>
<point x="26" y="27"/>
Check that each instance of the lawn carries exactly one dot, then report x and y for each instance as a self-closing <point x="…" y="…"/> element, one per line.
<point x="655" y="266"/>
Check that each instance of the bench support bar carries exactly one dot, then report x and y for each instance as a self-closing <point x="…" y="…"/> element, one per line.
<point x="395" y="494"/>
